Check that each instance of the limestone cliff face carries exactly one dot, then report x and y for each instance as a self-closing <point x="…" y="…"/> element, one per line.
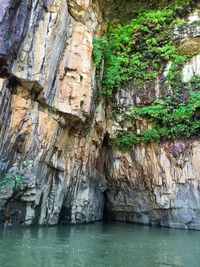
<point x="51" y="130"/>
<point x="57" y="161"/>
<point x="155" y="183"/>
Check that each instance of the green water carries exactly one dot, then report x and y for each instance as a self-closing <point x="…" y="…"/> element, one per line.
<point x="99" y="245"/>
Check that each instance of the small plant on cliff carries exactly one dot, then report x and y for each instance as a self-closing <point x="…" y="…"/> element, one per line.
<point x="125" y="141"/>
<point x="97" y="51"/>
<point x="11" y="181"/>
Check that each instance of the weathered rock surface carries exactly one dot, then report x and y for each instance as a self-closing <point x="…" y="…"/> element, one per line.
<point x="51" y="135"/>
<point x="156" y="184"/>
<point x="60" y="165"/>
<point x="57" y="161"/>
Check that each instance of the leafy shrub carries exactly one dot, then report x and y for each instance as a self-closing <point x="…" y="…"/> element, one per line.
<point x="169" y="121"/>
<point x="138" y="50"/>
<point x="126" y="141"/>
<point x="10" y="181"/>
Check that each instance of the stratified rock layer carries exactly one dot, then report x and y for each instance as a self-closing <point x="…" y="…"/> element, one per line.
<point x="51" y="134"/>
<point x="156" y="184"/>
<point x="56" y="136"/>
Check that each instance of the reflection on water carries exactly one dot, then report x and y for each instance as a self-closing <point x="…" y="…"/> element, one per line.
<point x="99" y="245"/>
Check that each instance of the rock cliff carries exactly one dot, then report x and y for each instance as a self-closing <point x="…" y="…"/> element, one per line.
<point x="58" y="160"/>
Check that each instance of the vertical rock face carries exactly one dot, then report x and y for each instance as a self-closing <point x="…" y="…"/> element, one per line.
<point x="57" y="161"/>
<point x="14" y="20"/>
<point x="156" y="185"/>
<point x="51" y="135"/>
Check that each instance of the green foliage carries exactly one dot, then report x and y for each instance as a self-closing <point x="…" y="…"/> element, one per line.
<point x="150" y="135"/>
<point x="11" y="181"/>
<point x="126" y="141"/>
<point x="195" y="83"/>
<point x="170" y="119"/>
<point x="97" y="51"/>
<point x="138" y="50"/>
<point x="100" y="49"/>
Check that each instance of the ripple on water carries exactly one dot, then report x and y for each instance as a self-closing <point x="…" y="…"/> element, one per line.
<point x="99" y="245"/>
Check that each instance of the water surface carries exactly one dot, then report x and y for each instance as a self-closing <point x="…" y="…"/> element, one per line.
<point x="99" y="245"/>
